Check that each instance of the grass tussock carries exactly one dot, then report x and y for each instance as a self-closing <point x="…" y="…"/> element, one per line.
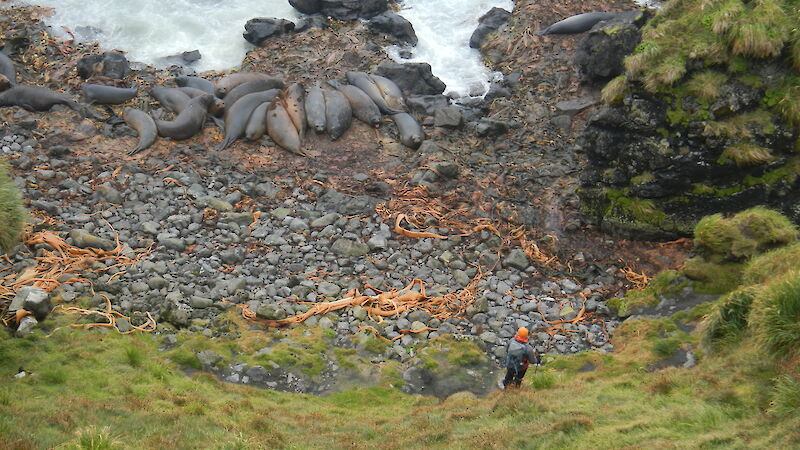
<point x="744" y="235"/>
<point x="12" y="214"/>
<point x="789" y="105"/>
<point x="728" y="321"/>
<point x="775" y="317"/>
<point x="746" y="154"/>
<point x="786" y="397"/>
<point x="706" y="84"/>
<point x="772" y="264"/>
<point x="614" y="90"/>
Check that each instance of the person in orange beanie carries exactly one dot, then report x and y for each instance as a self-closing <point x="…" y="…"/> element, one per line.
<point x="518" y="355"/>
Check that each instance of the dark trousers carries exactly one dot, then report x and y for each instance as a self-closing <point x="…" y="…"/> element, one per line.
<point x="514" y="376"/>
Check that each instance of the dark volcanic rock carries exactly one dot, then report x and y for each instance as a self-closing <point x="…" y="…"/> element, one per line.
<point x="600" y="53"/>
<point x="393" y="25"/>
<point x="491" y="127"/>
<point x="488" y="23"/>
<point x="261" y="28"/>
<point x="412" y="78"/>
<point x="306" y="6"/>
<point x="109" y="64"/>
<point x="426" y="104"/>
<point x="353" y="9"/>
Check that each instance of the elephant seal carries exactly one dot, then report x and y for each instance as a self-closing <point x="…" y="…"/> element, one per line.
<point x="189" y="122"/>
<point x="217" y="108"/>
<point x="243" y="89"/>
<point x="7" y="68"/>
<point x="144" y="126"/>
<point x="292" y="98"/>
<point x="229" y="82"/>
<point x="5" y="83"/>
<point x="35" y="98"/>
<point x="367" y="84"/>
<point x="195" y="82"/>
<point x="364" y="109"/>
<point x="173" y="99"/>
<point x="390" y="92"/>
<point x="237" y="117"/>
<point x="257" y="123"/>
<point x="577" y="24"/>
<point x="281" y="129"/>
<point x="338" y="114"/>
<point x="411" y="134"/>
<point x="108" y="95"/>
<point x="315" y="108"/>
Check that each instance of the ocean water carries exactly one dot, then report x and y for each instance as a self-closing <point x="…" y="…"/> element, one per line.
<point x="149" y="30"/>
<point x="443" y="28"/>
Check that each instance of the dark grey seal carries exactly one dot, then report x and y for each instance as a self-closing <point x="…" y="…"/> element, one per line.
<point x="226" y="84"/>
<point x="237" y="117"/>
<point x="7" y="68"/>
<point x="411" y="134"/>
<point x="189" y="122"/>
<point x="243" y="89"/>
<point x="195" y="82"/>
<point x="577" y="24"/>
<point x="364" y="109"/>
<point x="257" y="123"/>
<point x="108" y="95"/>
<point x="144" y="126"/>
<point x="390" y="92"/>
<point x="338" y="114"/>
<point x="35" y="98"/>
<point x="174" y="99"/>
<point x="315" y="108"/>
<point x="364" y="82"/>
<point x="281" y="129"/>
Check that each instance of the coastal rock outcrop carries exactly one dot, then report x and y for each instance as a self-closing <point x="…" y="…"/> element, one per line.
<point x="412" y="78"/>
<point x="261" y="28"/>
<point x="395" y="26"/>
<point x="488" y="23"/>
<point x="342" y="9"/>
<point x="600" y="53"/>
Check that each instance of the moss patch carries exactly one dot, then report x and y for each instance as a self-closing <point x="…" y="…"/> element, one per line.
<point x="12" y="214"/>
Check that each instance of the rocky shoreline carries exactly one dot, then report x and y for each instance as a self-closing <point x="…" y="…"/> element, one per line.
<point x="256" y="226"/>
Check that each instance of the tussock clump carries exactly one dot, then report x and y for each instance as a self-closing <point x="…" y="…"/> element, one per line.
<point x="706" y="84"/>
<point x="771" y="264"/>
<point x="614" y="91"/>
<point x="775" y="317"/>
<point x="727" y="322"/>
<point x="746" y="154"/>
<point x="786" y="396"/>
<point x="744" y="235"/>
<point x="12" y="214"/>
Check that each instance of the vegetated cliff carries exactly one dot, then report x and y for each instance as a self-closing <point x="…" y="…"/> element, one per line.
<point x="705" y="119"/>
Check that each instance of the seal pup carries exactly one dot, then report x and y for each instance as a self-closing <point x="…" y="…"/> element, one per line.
<point x="144" y="126"/>
<point x="281" y="128"/>
<point x="189" y="122"/>
<point x="195" y="82"/>
<point x="338" y="114"/>
<point x="292" y="98"/>
<point x="364" y="82"/>
<point x="237" y="117"/>
<point x="577" y="24"/>
<point x="390" y="92"/>
<point x="364" y="109"/>
<point x="315" y="108"/>
<point x="411" y="134"/>
<point x="227" y="83"/>
<point x="173" y="99"/>
<point x="35" y="98"/>
<point x="108" y="95"/>
<point x="7" y="68"/>
<point x="257" y="123"/>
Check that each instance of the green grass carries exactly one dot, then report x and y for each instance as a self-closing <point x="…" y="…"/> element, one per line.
<point x="728" y="322"/>
<point x="12" y="214"/>
<point x="775" y="316"/>
<point x="744" y="235"/>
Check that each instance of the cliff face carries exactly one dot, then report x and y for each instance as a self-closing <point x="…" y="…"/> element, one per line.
<point x="704" y="120"/>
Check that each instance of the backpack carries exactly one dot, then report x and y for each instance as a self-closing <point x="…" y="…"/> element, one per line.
<point x="516" y="353"/>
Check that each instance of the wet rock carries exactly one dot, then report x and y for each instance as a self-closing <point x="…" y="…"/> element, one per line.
<point x="307" y="6"/>
<point x="412" y="78"/>
<point x="496" y="91"/>
<point x="317" y="21"/>
<point x="84" y="239"/>
<point x="488" y="23"/>
<point x="352" y="9"/>
<point x="448" y="117"/>
<point x="395" y="26"/>
<point x="109" y="64"/>
<point x="259" y="29"/>
<point x="574" y="106"/>
<point x="426" y="104"/>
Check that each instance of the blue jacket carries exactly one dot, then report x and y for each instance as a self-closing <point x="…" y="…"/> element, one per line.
<point x="519" y="355"/>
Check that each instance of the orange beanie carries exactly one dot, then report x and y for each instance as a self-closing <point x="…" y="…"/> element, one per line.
<point x="523" y="333"/>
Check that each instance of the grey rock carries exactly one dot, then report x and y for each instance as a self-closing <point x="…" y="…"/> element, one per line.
<point x="378" y="242"/>
<point x="395" y="26"/>
<point x="176" y="244"/>
<point x="149" y="227"/>
<point x="242" y="219"/>
<point x="106" y="192"/>
<point x="298" y="225"/>
<point x="574" y="106"/>
<point x="348" y="247"/>
<point x="200" y="302"/>
<point x="83" y="239"/>
<point x="419" y="316"/>
<point x="270" y="312"/>
<point x="488" y="23"/>
<point x="517" y="259"/>
<point x="215" y="203"/>
<point x="324" y="221"/>
<point x="328" y="289"/>
<point x="491" y="127"/>
<point x="26" y="326"/>
<point x="325" y="323"/>
<point x="489" y="337"/>
<point x="208" y="359"/>
<point x="412" y="78"/>
<point x="232" y="256"/>
<point x="448" y="117"/>
<point x="259" y="29"/>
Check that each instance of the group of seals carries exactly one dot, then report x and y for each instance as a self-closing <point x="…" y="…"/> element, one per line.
<point x="577" y="24"/>
<point x="251" y="105"/>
